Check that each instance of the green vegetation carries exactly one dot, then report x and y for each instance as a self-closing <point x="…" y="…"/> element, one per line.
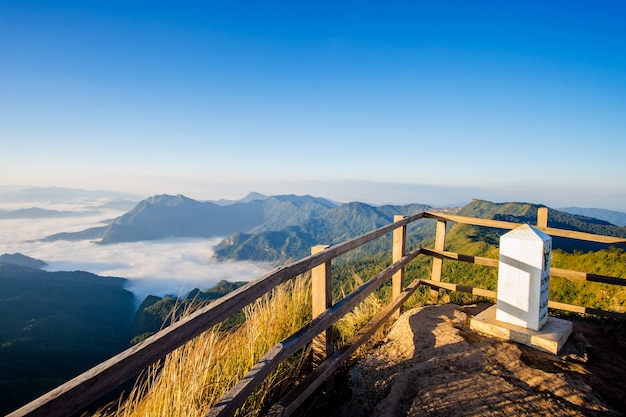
<point x="53" y="326"/>
<point x="337" y="225"/>
<point x="193" y="377"/>
<point x="609" y="262"/>
<point x="159" y="395"/>
<point x="155" y="313"/>
<point x="279" y="242"/>
<point x="472" y="240"/>
<point x="527" y="213"/>
<point x="208" y="365"/>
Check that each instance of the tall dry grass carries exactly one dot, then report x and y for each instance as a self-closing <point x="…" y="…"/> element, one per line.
<point x="191" y="379"/>
<point x="349" y="324"/>
<point x="195" y="376"/>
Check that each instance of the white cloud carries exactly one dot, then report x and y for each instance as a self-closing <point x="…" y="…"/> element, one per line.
<point x="167" y="266"/>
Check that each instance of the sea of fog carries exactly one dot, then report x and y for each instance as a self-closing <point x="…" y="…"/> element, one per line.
<point x="170" y="266"/>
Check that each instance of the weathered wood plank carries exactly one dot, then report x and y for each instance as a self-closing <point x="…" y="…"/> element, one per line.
<point x="551" y="304"/>
<point x="81" y="391"/>
<point x="572" y="234"/>
<point x="289" y="403"/>
<point x="398" y="249"/>
<point x="460" y="257"/>
<point x="476" y="221"/>
<point x="440" y="243"/>
<point x="322" y="297"/>
<point x="229" y="404"/>
<point x="97" y="381"/>
<point x="565" y="273"/>
<point x="583" y="276"/>
<point x="542" y="217"/>
<point x="510" y="225"/>
<point x="461" y="288"/>
<point x="358" y="241"/>
<point x="586" y="310"/>
<point x="87" y="387"/>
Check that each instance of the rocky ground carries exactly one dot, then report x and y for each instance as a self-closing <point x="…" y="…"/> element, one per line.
<point x="432" y="364"/>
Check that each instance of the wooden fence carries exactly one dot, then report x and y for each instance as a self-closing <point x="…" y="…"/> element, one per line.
<point x="439" y="254"/>
<point x="81" y="391"/>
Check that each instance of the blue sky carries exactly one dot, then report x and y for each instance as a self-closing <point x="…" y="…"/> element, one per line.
<point x="433" y="102"/>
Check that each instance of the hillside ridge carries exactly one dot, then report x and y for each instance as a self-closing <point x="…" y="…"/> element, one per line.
<point x="283" y="227"/>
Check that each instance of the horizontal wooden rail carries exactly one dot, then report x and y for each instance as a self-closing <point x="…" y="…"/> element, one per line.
<point x="583" y="276"/>
<point x="290" y="403"/>
<point x="253" y="379"/>
<point x="475" y="221"/>
<point x="461" y="288"/>
<point x="586" y="310"/>
<point x="557" y="272"/>
<point x="551" y="304"/>
<point x="591" y="237"/>
<point x="84" y="389"/>
<point x="499" y="224"/>
<point x="441" y="254"/>
<point x="81" y="391"/>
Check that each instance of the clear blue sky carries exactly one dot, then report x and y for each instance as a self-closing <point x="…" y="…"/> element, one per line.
<point x="516" y="101"/>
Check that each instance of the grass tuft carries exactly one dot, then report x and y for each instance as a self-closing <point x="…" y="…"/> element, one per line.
<point x="195" y="376"/>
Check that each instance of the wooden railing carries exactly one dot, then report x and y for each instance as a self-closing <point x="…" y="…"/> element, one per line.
<point x="81" y="391"/>
<point x="439" y="254"/>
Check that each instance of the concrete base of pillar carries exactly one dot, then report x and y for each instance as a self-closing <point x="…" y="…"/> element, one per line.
<point x="550" y="338"/>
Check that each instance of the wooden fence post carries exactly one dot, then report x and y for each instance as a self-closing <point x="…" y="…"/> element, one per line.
<point x="440" y="243"/>
<point x="542" y="217"/>
<point x="399" y="247"/>
<point x="322" y="298"/>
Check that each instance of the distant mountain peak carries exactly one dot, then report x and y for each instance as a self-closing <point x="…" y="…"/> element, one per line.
<point x="168" y="200"/>
<point x="617" y="218"/>
<point x="304" y="199"/>
<point x="22" y="260"/>
<point x="252" y="196"/>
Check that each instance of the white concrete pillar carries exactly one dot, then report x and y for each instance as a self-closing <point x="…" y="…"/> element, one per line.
<point x="524" y="277"/>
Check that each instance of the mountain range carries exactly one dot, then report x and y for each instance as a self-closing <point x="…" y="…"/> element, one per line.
<point x="164" y="216"/>
<point x="278" y="228"/>
<point x="527" y="213"/>
<point x="614" y="217"/>
<point x="55" y="324"/>
<point x="271" y="228"/>
<point x="21" y="260"/>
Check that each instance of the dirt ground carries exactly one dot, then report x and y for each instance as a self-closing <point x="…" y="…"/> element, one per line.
<point x="432" y="364"/>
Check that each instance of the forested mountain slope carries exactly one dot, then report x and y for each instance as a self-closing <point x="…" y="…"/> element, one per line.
<point x="337" y="225"/>
<point x="164" y="216"/>
<point x="527" y="213"/>
<point x="567" y="254"/>
<point x="614" y="217"/>
<point x="352" y="219"/>
<point x="54" y="325"/>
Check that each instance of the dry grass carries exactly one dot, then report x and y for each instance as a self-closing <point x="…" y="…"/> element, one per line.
<point x="195" y="376"/>
<point x="191" y="379"/>
<point x="349" y="324"/>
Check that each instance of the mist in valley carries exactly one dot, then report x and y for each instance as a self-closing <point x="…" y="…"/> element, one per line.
<point x="171" y="266"/>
